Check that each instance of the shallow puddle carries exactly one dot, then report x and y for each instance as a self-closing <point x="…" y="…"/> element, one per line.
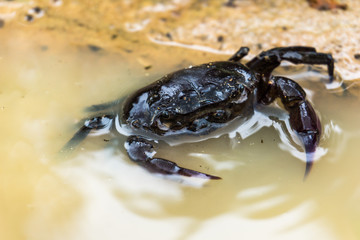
<point x="98" y="193"/>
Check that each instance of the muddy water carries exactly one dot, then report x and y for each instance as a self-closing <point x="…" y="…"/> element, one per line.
<point x="97" y="193"/>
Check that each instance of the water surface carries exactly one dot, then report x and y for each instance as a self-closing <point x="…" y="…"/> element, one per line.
<point x="97" y="192"/>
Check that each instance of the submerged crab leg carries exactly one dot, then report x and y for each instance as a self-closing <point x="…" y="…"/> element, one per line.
<point x="142" y="151"/>
<point x="267" y="61"/>
<point x="104" y="106"/>
<point x="80" y="135"/>
<point x="95" y="123"/>
<point x="303" y="119"/>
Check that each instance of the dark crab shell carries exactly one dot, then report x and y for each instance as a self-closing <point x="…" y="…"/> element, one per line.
<point x="197" y="99"/>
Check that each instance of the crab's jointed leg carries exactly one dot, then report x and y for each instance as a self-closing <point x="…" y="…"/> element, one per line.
<point x="95" y="123"/>
<point x="142" y="151"/>
<point x="242" y="52"/>
<point x="267" y="61"/>
<point x="303" y="119"/>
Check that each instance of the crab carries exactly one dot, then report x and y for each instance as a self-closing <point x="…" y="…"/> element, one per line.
<point x="198" y="100"/>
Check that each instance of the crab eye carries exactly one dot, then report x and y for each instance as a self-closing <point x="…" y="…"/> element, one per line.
<point x="165" y="115"/>
<point x="219" y="114"/>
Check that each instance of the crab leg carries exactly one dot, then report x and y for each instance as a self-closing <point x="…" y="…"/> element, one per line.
<point x="242" y="52"/>
<point x="104" y="106"/>
<point x="95" y="123"/>
<point x="142" y="151"/>
<point x="303" y="119"/>
<point x="267" y="61"/>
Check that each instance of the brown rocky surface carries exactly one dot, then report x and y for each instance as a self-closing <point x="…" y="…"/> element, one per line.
<point x="210" y="26"/>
